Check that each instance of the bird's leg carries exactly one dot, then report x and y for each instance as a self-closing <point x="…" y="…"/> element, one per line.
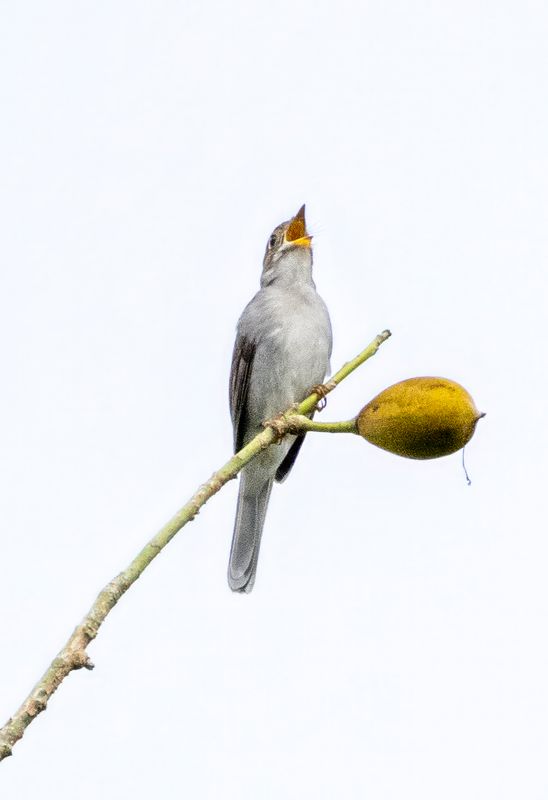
<point x="322" y="389"/>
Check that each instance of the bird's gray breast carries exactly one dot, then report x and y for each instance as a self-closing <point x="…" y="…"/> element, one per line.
<point x="292" y="336"/>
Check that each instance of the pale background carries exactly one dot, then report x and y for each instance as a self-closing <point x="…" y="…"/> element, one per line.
<point x="395" y="645"/>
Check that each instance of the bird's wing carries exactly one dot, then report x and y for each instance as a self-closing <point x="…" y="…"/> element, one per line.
<point x="287" y="464"/>
<point x="285" y="467"/>
<point x="240" y="373"/>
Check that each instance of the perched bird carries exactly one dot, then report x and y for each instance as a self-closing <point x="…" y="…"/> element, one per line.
<point x="282" y="350"/>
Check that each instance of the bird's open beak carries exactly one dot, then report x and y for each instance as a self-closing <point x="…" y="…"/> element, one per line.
<point x="296" y="230"/>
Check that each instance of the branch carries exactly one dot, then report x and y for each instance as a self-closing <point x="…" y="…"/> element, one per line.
<point x="73" y="655"/>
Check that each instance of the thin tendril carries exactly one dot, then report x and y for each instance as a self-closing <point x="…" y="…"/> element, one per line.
<point x="468" y="481"/>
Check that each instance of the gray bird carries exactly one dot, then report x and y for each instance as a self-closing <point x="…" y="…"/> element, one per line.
<point x="282" y="349"/>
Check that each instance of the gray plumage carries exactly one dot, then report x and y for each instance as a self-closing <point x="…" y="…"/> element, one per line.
<point x="282" y="350"/>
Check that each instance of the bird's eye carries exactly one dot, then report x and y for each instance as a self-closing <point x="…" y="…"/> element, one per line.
<point x="272" y="240"/>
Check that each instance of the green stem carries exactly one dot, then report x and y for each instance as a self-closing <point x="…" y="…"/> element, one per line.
<point x="299" y="423"/>
<point x="311" y="402"/>
<point x="73" y="655"/>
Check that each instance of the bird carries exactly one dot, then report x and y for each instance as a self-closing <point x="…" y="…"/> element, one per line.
<point x="282" y="351"/>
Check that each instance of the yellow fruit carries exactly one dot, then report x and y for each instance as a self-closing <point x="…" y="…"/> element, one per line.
<point x="420" y="418"/>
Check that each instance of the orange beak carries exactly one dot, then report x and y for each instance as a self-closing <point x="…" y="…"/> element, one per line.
<point x="296" y="230"/>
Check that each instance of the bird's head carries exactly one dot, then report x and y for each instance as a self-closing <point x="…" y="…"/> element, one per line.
<point x="288" y="254"/>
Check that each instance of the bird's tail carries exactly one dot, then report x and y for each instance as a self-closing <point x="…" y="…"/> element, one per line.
<point x="246" y="539"/>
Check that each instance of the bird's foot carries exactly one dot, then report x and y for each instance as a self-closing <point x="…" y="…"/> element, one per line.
<point x="322" y="389"/>
<point x="279" y="425"/>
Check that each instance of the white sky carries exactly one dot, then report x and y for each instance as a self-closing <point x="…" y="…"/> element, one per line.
<point x="395" y="643"/>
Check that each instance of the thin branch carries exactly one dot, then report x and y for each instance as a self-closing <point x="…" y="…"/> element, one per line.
<point x="73" y="655"/>
<point x="298" y="424"/>
<point x="310" y="403"/>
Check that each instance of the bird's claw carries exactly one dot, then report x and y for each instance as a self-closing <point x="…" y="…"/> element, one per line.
<point x="322" y="389"/>
<point x="278" y="424"/>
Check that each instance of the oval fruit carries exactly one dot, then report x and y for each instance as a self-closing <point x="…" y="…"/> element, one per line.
<point x="420" y="418"/>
